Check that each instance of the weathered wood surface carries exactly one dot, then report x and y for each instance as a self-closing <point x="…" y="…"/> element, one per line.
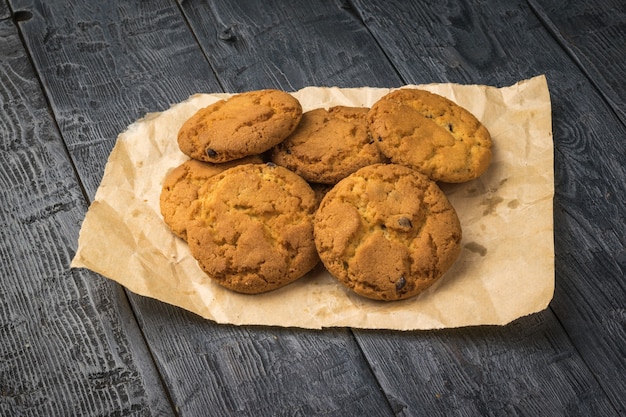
<point x="498" y="43"/>
<point x="70" y="345"/>
<point x="254" y="45"/>
<point x="593" y="34"/>
<point x="106" y="64"/>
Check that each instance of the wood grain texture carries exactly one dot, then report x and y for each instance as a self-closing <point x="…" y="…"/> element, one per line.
<point x="260" y="371"/>
<point x="594" y="34"/>
<point x="499" y="43"/>
<point x="106" y="64"/>
<point x="5" y="13"/>
<point x="65" y="346"/>
<point x="528" y="368"/>
<point x="470" y="52"/>
<point x="253" y="45"/>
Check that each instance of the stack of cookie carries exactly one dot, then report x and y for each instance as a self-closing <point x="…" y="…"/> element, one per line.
<point x="270" y="190"/>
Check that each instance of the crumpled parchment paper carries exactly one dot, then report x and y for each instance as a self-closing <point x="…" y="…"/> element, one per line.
<point x="505" y="270"/>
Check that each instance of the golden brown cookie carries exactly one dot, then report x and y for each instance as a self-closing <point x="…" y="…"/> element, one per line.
<point x="180" y="189"/>
<point x="431" y="134"/>
<point x="387" y="232"/>
<point x="246" y="124"/>
<point x="328" y="145"/>
<point x="254" y="228"/>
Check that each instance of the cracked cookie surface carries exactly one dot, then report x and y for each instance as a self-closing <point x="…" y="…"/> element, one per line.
<point x="253" y="228"/>
<point x="328" y="145"/>
<point x="387" y="232"/>
<point x="248" y="123"/>
<point x="431" y="134"/>
<point x="180" y="189"/>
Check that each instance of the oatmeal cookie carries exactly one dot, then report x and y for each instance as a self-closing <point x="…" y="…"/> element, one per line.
<point x="248" y="123"/>
<point x="180" y="189"/>
<point x="387" y="232"/>
<point x="328" y="145"/>
<point x="431" y="134"/>
<point x="253" y="228"/>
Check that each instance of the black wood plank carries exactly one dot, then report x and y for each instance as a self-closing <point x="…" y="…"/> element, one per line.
<point x="253" y="45"/>
<point x="256" y="29"/>
<point x="259" y="371"/>
<point x="176" y="349"/>
<point x="486" y="371"/>
<point x="91" y="58"/>
<point x="499" y="43"/>
<point x="107" y="64"/>
<point x="67" y="346"/>
<point x="5" y="13"/>
<point x="593" y="34"/>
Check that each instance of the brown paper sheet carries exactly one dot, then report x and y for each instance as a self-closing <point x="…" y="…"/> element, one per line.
<point x="505" y="270"/>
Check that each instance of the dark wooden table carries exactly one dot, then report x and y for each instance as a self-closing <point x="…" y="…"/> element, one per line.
<point x="74" y="74"/>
